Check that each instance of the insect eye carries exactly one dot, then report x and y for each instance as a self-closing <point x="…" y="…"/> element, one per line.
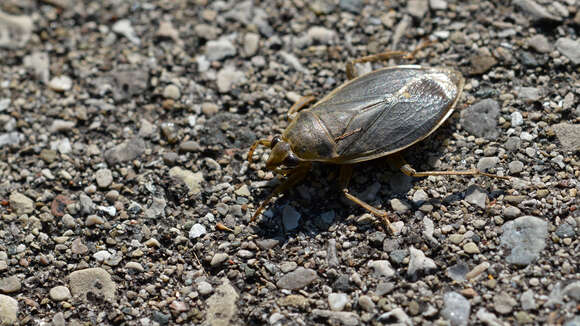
<point x="291" y="160"/>
<point x="275" y="141"/>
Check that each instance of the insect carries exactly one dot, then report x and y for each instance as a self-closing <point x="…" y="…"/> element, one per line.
<point x="373" y="115"/>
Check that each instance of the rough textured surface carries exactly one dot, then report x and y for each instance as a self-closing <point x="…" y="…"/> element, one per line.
<point x="124" y="132"/>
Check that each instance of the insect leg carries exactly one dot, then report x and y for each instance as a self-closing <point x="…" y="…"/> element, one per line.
<point x="350" y="71"/>
<point x="344" y="179"/>
<point x="299" y="105"/>
<point x="294" y="177"/>
<point x="406" y="168"/>
<point x="264" y="142"/>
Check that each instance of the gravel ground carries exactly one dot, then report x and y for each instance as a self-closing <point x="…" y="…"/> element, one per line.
<point x="126" y="197"/>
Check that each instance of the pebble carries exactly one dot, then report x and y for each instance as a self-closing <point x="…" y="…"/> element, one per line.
<point x="540" y="43"/>
<point x="438" y="4"/>
<point x="218" y="259"/>
<point x="297" y="279"/>
<point x="471" y="248"/>
<point x="134" y="266"/>
<point x="104" y="178"/>
<point x="290" y="218"/>
<point x="516" y="167"/>
<point x="8" y="308"/>
<point x="60" y="83"/>
<point x="489" y="318"/>
<point x="417" y="8"/>
<point x="21" y="204"/>
<point x="124" y="28"/>
<point x="102" y="255"/>
<point x="456" y="309"/>
<point x="78" y="247"/>
<point x="288" y="266"/>
<point x="353" y="6"/>
<point x="397" y="314"/>
<point x="337" y="301"/>
<point x="94" y="220"/>
<point x="565" y="230"/>
<point x="517" y="119"/>
<point x="321" y="35"/>
<point x="503" y="303"/>
<point x="568" y="135"/>
<point x="196" y="231"/>
<point x="419" y="197"/>
<point x="15" y="31"/>
<point x="527" y="300"/>
<point x="222" y="306"/>
<point x="10" y="138"/>
<point x="219" y="49"/>
<point x="511" y="212"/>
<point x="524" y="238"/>
<point x="400" y="206"/>
<point x="366" y="303"/>
<point x="166" y="30"/>
<point x="418" y="263"/>
<point x="204" y="288"/>
<point x="229" y="77"/>
<point x="480" y="64"/>
<point x="480" y="119"/>
<point x="10" y="284"/>
<point x="126" y="151"/>
<point x="92" y="280"/>
<point x="172" y="92"/>
<point x="458" y="271"/>
<point x="534" y="10"/>
<point x="342" y="317"/>
<point x="251" y="44"/>
<point x="382" y="268"/>
<point x="60" y="293"/>
<point x="529" y="94"/>
<point x="486" y="163"/>
<point x="570" y="48"/>
<point x="192" y="180"/>
<point x="476" y="196"/>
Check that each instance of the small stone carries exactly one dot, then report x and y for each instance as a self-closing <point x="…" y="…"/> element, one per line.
<point x="229" y="77"/>
<point x="398" y="315"/>
<point x="15" y="31"/>
<point x="10" y="284"/>
<point x="536" y="11"/>
<point x="204" y="288"/>
<point x="528" y="301"/>
<point x="60" y="84"/>
<point x="420" y="196"/>
<point x="104" y="178"/>
<point x="78" y="247"/>
<point x="456" y="309"/>
<point x="192" y="180"/>
<point x="196" y="231"/>
<point x="102" y="255"/>
<point x="382" y="268"/>
<point x="525" y="238"/>
<point x="290" y="218"/>
<point x="134" y="266"/>
<point x="438" y="4"/>
<point x="321" y="35"/>
<point x="59" y="125"/>
<point x="488" y="318"/>
<point x="297" y="279"/>
<point x="94" y="220"/>
<point x="219" y="49"/>
<point x="218" y="259"/>
<point x="503" y="303"/>
<point x="565" y="230"/>
<point x="511" y="212"/>
<point x="288" y="266"/>
<point x="243" y="191"/>
<point x="126" y="151"/>
<point x="481" y="64"/>
<point x="366" y="303"/>
<point x="540" y="43"/>
<point x="417" y="8"/>
<point x="458" y="271"/>
<point x="568" y="135"/>
<point x="60" y="293"/>
<point x="570" y="48"/>
<point x="516" y="167"/>
<point x="21" y="204"/>
<point x="123" y="27"/>
<point x="8" y="308"/>
<point x="337" y="301"/>
<point x="353" y="6"/>
<point x="11" y="138"/>
<point x="471" y="248"/>
<point x="529" y="94"/>
<point x="251" y="44"/>
<point x="399" y="206"/>
<point x="480" y="119"/>
<point x="294" y="300"/>
<point x="476" y="196"/>
<point x="92" y="280"/>
<point x="487" y="163"/>
<point x="419" y="263"/>
<point x="517" y="119"/>
<point x="172" y="92"/>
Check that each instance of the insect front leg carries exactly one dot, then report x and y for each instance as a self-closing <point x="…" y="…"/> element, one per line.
<point x="303" y="102"/>
<point x="264" y="142"/>
<point x="344" y="179"/>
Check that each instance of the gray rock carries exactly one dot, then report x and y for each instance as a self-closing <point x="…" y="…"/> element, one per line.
<point x="321" y="35"/>
<point x="343" y="317"/>
<point x="127" y="83"/>
<point x="438" y="4"/>
<point x="15" y="31"/>
<point x="21" y="204"/>
<point x="95" y="281"/>
<point x="123" y="27"/>
<point x="354" y="6"/>
<point x="534" y="10"/>
<point x="382" y="268"/>
<point x="204" y="288"/>
<point x="417" y="8"/>
<point x="58" y="319"/>
<point x="251" y="44"/>
<point x="10" y="284"/>
<point x="126" y="151"/>
<point x="399" y="315"/>
<point x="527" y="300"/>
<point x="568" y="135"/>
<point x="366" y="303"/>
<point x="171" y="91"/>
<point x="104" y="178"/>
<point x="540" y="43"/>
<point x="222" y="306"/>
<point x="511" y="212"/>
<point x="570" y="48"/>
<point x="419" y="197"/>
<point x="513" y="143"/>
<point x="337" y="301"/>
<point x="565" y="230"/>
<point x="297" y="279"/>
<point x="192" y="180"/>
<point x="331" y="256"/>
<point x="219" y="49"/>
<point x="456" y="309"/>
<point x="529" y="94"/>
<point x="39" y="64"/>
<point x="229" y="77"/>
<point x="399" y="206"/>
<point x="516" y="167"/>
<point x="59" y="125"/>
<point x="419" y="263"/>
<point x="60" y="83"/>
<point x="196" y="231"/>
<point x="60" y="293"/>
<point x="8" y="310"/>
<point x="157" y="208"/>
<point x="503" y="303"/>
<point x="575" y="321"/>
<point x="476" y="196"/>
<point x="11" y="138"/>
<point x="486" y="163"/>
<point x="516" y="119"/>
<point x="290" y="218"/>
<point x="458" y="271"/>
<point x="218" y="259"/>
<point x="480" y="119"/>
<point x="524" y="238"/>
<point x="489" y="318"/>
